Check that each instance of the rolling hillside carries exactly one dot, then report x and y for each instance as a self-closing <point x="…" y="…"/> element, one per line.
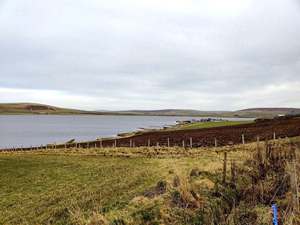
<point x="34" y="108"/>
<point x="170" y="112"/>
<point x="251" y="113"/>
<point x="266" y="112"/>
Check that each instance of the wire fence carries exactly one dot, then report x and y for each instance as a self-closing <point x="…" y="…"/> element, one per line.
<point x="183" y="141"/>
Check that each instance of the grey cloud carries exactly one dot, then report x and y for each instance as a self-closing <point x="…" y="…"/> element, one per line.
<point x="149" y="54"/>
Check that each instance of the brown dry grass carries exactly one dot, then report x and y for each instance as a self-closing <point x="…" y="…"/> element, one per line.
<point x="105" y="186"/>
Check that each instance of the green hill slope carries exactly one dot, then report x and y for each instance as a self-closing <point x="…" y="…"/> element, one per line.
<point x="34" y="108"/>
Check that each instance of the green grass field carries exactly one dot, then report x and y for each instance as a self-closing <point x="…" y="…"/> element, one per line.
<point x="38" y="189"/>
<point x="75" y="186"/>
<point x="44" y="189"/>
<point x="199" y="125"/>
<point x="195" y="125"/>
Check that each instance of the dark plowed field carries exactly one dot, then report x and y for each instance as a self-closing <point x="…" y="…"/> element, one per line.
<point x="225" y="135"/>
<point x="266" y="129"/>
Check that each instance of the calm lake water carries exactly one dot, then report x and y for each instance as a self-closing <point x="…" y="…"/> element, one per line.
<point x="32" y="130"/>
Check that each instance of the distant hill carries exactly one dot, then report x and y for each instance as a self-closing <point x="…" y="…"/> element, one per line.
<point x="251" y="113"/>
<point x="266" y="112"/>
<point x="34" y="108"/>
<point x="170" y="112"/>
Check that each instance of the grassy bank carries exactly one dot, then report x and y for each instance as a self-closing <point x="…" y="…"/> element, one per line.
<point x="188" y="126"/>
<point x="33" y="108"/>
<point x="47" y="188"/>
<point x="41" y="189"/>
<point x="123" y="186"/>
<point x="199" y="125"/>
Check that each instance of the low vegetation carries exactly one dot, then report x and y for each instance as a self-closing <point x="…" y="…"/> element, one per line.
<point x="33" y="108"/>
<point x="147" y="185"/>
<point x="199" y="125"/>
<point x="188" y="126"/>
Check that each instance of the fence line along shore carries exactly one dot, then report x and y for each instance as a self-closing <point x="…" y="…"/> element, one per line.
<point x="193" y="138"/>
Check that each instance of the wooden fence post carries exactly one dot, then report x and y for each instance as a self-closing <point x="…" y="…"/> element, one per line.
<point x="130" y="143"/>
<point x="243" y="139"/>
<point x="191" y="142"/>
<point x="224" y="167"/>
<point x="183" y="145"/>
<point x="274" y="136"/>
<point x="216" y="142"/>
<point x="168" y="142"/>
<point x="296" y="187"/>
<point x="115" y="143"/>
<point x="233" y="173"/>
<point x="257" y="142"/>
<point x="292" y="171"/>
<point x="101" y="146"/>
<point x="149" y="142"/>
<point x="157" y="144"/>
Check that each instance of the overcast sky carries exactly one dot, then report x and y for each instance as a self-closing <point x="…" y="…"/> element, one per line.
<point x="151" y="54"/>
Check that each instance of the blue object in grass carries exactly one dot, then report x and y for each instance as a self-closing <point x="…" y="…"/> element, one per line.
<point x="275" y="214"/>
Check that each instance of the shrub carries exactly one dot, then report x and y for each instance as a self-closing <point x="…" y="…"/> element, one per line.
<point x="176" y="181"/>
<point x="195" y="172"/>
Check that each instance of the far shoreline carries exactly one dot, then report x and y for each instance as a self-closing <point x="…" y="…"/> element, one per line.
<point x="116" y="114"/>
